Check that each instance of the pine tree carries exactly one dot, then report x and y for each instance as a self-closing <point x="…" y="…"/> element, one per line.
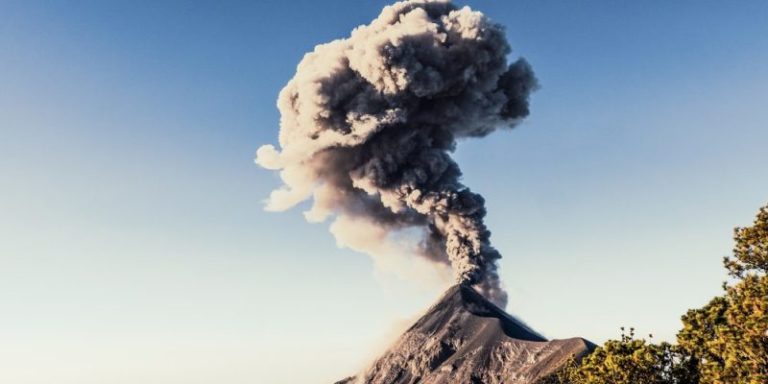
<point x="729" y="336"/>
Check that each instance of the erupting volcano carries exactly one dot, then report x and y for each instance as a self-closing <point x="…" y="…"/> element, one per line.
<point x="368" y="125"/>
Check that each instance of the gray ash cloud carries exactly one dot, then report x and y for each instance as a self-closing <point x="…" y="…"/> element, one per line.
<point x="368" y="124"/>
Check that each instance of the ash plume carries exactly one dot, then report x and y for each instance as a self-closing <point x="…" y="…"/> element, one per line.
<point x="368" y="124"/>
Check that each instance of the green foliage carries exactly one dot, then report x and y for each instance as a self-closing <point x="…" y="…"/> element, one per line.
<point x="750" y="254"/>
<point x="628" y="361"/>
<point x="729" y="336"/>
<point x="724" y="342"/>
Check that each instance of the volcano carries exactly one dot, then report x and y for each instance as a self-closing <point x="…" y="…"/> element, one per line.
<point x="464" y="338"/>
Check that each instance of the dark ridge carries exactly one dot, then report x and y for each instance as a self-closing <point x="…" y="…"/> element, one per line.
<point x="480" y="306"/>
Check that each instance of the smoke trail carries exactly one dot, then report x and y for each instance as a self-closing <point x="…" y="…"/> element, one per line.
<point x="368" y="124"/>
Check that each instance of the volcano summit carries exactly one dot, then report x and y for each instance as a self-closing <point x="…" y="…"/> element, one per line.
<point x="464" y="338"/>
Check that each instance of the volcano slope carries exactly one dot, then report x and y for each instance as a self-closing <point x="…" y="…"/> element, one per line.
<point x="464" y="338"/>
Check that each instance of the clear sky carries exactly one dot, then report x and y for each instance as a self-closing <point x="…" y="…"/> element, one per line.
<point x="134" y="247"/>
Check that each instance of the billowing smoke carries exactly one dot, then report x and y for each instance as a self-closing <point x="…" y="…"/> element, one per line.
<point x="368" y="125"/>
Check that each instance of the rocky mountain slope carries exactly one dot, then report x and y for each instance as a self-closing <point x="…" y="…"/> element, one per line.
<point x="464" y="338"/>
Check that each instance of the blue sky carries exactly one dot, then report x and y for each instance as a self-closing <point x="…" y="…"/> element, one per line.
<point x="134" y="246"/>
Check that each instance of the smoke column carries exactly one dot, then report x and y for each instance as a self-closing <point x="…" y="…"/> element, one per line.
<point x="368" y="124"/>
